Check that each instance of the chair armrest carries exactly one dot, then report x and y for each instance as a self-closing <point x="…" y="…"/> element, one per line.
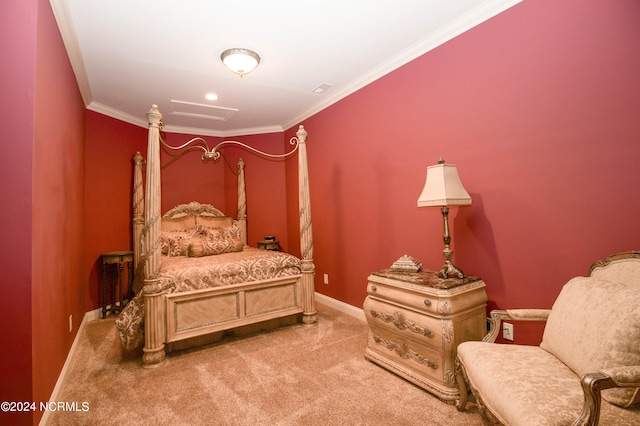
<point x="514" y="315"/>
<point x="624" y="377"/>
<point x="594" y="383"/>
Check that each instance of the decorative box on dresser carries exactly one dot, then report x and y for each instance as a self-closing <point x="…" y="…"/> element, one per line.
<point x="416" y="321"/>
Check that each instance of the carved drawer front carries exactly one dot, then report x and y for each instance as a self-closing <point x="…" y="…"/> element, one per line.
<point x="422" y="302"/>
<point x="437" y="302"/>
<point x="406" y="323"/>
<point x="405" y="354"/>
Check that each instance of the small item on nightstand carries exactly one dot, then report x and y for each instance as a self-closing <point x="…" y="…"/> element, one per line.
<point x="407" y="264"/>
<point x="269" y="244"/>
<point x="269" y="238"/>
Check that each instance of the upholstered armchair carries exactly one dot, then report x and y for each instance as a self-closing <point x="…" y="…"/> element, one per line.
<point x="586" y="371"/>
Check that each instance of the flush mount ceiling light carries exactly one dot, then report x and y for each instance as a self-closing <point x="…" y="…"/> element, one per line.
<point x="240" y="61"/>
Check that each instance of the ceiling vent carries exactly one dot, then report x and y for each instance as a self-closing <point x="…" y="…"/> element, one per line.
<point x="202" y="111"/>
<point x="322" y="88"/>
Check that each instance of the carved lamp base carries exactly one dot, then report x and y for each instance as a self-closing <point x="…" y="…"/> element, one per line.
<point x="449" y="270"/>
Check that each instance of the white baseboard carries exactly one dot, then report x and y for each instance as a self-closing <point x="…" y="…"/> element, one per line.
<point x="93" y="315"/>
<point x="89" y="316"/>
<point x="340" y="306"/>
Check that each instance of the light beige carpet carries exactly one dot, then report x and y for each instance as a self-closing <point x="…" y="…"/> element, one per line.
<point x="296" y="375"/>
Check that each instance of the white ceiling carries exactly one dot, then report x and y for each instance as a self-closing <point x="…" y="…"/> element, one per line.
<point x="128" y="55"/>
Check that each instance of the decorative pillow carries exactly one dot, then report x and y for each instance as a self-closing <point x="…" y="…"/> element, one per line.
<point x="214" y="241"/>
<point x="231" y="231"/>
<point x="594" y="325"/>
<point x="196" y="247"/>
<point x="167" y="236"/>
<point x="214" y="222"/>
<point x="175" y="243"/>
<point x="183" y="223"/>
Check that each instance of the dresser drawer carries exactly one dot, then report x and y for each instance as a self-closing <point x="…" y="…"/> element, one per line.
<point x="406" y="354"/>
<point x="404" y="322"/>
<point x="425" y="299"/>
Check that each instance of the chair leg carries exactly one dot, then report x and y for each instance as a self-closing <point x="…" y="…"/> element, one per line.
<point x="461" y="403"/>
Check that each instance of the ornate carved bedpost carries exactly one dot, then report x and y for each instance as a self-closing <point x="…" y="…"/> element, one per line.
<point x="306" y="234"/>
<point x="154" y="337"/>
<point x="242" y="202"/>
<point x="138" y="209"/>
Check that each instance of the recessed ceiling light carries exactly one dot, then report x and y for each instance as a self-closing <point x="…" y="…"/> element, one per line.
<point x="211" y="97"/>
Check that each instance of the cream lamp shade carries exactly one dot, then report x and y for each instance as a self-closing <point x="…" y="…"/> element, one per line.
<point x="443" y="187"/>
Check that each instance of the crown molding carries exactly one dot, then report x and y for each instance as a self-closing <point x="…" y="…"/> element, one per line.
<point x="223" y="134"/>
<point x="117" y="114"/>
<point x="475" y="17"/>
<point x="70" y="40"/>
<point x="478" y="15"/>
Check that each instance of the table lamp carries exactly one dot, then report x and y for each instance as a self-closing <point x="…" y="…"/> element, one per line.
<point x="443" y="189"/>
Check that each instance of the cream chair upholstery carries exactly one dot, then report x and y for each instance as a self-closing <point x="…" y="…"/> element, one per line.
<point x="586" y="371"/>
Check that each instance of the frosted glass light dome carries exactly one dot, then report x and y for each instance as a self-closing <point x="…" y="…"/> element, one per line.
<point x="240" y="61"/>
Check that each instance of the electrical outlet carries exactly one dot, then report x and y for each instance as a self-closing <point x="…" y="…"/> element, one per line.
<point x="326" y="278"/>
<point x="507" y="331"/>
<point x="70" y="323"/>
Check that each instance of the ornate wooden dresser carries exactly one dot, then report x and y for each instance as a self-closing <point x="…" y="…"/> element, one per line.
<point x="416" y="321"/>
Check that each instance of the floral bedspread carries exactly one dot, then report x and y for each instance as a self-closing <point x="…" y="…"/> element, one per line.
<point x="183" y="273"/>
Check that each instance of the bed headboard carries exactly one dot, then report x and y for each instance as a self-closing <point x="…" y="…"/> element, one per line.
<point x="188" y="216"/>
<point x="208" y="215"/>
<point x="193" y="208"/>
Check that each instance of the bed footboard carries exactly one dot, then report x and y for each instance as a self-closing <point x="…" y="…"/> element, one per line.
<point x="195" y="313"/>
<point x="176" y="317"/>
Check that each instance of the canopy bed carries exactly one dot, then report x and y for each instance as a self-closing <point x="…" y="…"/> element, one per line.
<point x="198" y="275"/>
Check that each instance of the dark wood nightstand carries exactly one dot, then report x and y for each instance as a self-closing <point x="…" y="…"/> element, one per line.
<point x="269" y="245"/>
<point x="115" y="261"/>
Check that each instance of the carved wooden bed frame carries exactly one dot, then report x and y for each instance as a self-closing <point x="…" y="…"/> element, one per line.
<point x="219" y="308"/>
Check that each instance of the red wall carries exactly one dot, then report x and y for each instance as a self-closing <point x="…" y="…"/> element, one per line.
<point x="207" y="176"/>
<point x="539" y="109"/>
<point x="110" y="146"/>
<point x="43" y="211"/>
<point x="17" y="48"/>
<point x="58" y="214"/>
<point x="265" y="187"/>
